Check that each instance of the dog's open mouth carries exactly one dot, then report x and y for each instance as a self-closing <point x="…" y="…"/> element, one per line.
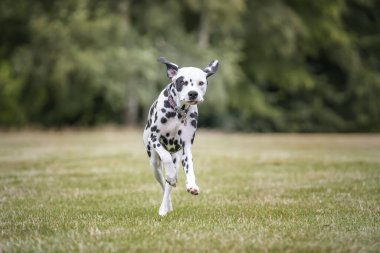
<point x="192" y="102"/>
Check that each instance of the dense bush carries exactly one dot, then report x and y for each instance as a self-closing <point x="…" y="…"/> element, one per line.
<point x="286" y="65"/>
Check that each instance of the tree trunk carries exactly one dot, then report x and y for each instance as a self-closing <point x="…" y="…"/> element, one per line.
<point x="131" y="105"/>
<point x="204" y="29"/>
<point x="131" y="111"/>
<point x="124" y="10"/>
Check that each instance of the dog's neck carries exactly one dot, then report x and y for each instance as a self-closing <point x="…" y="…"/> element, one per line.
<point x="175" y="102"/>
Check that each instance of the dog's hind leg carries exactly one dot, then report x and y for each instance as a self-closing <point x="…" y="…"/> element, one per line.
<point x="164" y="208"/>
<point x="156" y="165"/>
<point x="166" y="205"/>
<point x="171" y="177"/>
<point x="176" y="158"/>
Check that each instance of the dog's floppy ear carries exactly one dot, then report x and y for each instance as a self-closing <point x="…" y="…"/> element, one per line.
<point x="212" y="68"/>
<point x="172" y="68"/>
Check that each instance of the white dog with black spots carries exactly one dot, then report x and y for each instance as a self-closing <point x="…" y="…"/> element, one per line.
<point x="172" y="122"/>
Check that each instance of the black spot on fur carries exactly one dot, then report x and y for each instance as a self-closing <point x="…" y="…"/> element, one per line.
<point x="171" y="142"/>
<point x="164" y="120"/>
<point x="166" y="104"/>
<point x="154" y="145"/>
<point x="153" y="137"/>
<point x="170" y="114"/>
<point x="163" y="110"/>
<point x="192" y="139"/>
<point x="155" y="117"/>
<point x="194" y="123"/>
<point x="158" y="145"/>
<point x="164" y="140"/>
<point x="148" y="153"/>
<point x="174" y="160"/>
<point x="194" y="115"/>
<point x="179" y="132"/>
<point x="148" y="124"/>
<point x="166" y="93"/>
<point x="153" y="128"/>
<point x="167" y="134"/>
<point x="179" y="83"/>
<point x="151" y="111"/>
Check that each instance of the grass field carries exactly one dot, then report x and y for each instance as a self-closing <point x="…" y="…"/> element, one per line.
<point x="93" y="191"/>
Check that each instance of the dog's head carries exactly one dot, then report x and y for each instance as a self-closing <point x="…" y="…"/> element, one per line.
<point x="190" y="82"/>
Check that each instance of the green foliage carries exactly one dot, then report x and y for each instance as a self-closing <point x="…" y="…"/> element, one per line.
<point x="286" y="65"/>
<point x="11" y="114"/>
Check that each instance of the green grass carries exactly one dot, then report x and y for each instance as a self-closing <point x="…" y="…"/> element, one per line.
<point x="93" y="191"/>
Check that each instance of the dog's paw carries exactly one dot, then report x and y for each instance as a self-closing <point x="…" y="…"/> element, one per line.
<point x="172" y="181"/>
<point x="165" y="209"/>
<point x="193" y="189"/>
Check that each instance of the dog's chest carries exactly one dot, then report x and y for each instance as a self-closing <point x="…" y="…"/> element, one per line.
<point x="171" y="142"/>
<point x="172" y="134"/>
<point x="176" y="131"/>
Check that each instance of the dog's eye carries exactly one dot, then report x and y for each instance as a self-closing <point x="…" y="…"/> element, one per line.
<point x="201" y="83"/>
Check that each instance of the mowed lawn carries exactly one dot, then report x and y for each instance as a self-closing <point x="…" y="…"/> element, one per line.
<point x="93" y="191"/>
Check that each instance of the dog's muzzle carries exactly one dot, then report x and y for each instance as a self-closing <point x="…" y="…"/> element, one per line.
<point x="193" y="98"/>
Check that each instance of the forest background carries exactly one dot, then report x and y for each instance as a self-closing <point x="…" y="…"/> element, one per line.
<point x="286" y="65"/>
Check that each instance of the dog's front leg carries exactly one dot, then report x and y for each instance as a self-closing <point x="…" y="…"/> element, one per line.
<point x="187" y="163"/>
<point x="166" y="202"/>
<point x="171" y="178"/>
<point x="170" y="170"/>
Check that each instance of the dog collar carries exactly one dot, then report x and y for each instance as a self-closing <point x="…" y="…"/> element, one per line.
<point x="177" y="109"/>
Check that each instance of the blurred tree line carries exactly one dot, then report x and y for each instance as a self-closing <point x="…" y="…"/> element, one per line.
<point x="286" y="65"/>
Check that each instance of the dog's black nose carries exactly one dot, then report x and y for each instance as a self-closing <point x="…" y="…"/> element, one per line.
<point x="193" y="95"/>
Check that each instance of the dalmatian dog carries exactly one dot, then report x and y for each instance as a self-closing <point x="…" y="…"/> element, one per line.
<point x="171" y="126"/>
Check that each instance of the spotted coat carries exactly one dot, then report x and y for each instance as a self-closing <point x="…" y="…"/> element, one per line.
<point x="171" y="125"/>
